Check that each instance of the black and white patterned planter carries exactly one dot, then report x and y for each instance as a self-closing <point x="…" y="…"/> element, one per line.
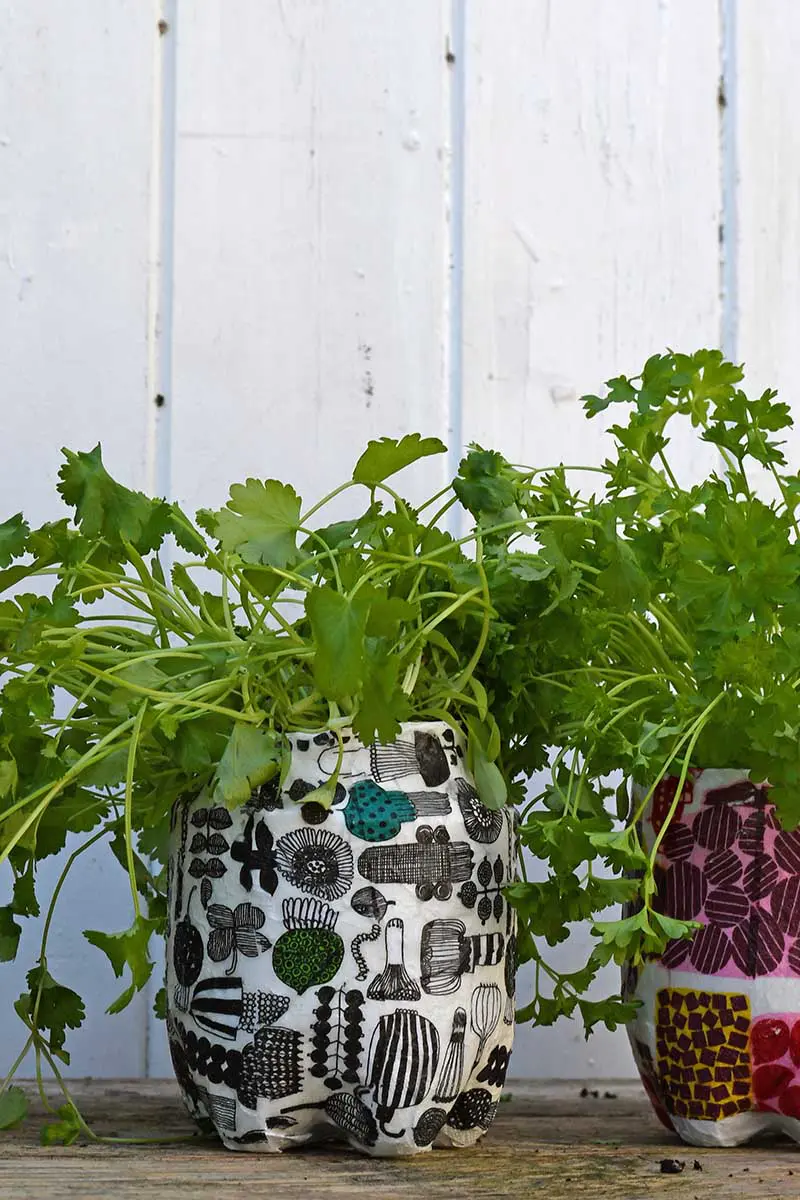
<point x="345" y="973"/>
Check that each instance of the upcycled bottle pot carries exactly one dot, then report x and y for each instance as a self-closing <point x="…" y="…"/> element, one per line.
<point x="345" y="973"/>
<point x="717" y="1039"/>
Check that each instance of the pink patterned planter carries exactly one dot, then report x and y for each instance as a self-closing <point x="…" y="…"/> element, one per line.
<point x="717" y="1039"/>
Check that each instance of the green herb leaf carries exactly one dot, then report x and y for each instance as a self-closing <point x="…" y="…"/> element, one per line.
<point x="339" y="625"/>
<point x="10" y="933"/>
<point x="251" y="757"/>
<point x="106" y="509"/>
<point x="13" y="1107"/>
<point x="64" y="1132"/>
<point x="131" y="949"/>
<point x="260" y="522"/>
<point x="60" y="1008"/>
<point x="390" y="455"/>
<point x="13" y="538"/>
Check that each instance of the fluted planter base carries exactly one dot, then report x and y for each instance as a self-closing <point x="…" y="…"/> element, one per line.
<point x="345" y="974"/>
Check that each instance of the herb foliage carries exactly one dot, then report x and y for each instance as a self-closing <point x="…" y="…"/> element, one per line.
<point x="641" y="627"/>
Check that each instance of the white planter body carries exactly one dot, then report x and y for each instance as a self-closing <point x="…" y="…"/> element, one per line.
<point x="345" y="974"/>
<point x="717" y="1039"/>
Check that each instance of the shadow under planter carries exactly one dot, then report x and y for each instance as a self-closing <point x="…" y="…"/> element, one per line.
<point x="345" y="973"/>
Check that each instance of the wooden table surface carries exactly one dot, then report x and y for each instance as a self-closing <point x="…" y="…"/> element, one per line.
<point x="548" y="1140"/>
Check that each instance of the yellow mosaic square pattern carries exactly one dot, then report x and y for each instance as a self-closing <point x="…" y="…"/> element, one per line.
<point x="702" y="1053"/>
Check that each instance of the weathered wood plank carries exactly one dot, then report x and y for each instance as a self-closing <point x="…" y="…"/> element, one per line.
<point x="547" y="1138"/>
<point x="591" y="209"/>
<point x="76" y="89"/>
<point x="311" y="238"/>
<point x="591" y="205"/>
<point x="764" y="233"/>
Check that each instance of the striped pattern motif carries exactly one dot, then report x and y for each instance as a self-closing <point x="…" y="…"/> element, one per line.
<point x="403" y="1057"/>
<point x="217" y="1005"/>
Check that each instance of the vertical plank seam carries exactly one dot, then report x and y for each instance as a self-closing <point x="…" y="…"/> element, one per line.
<point x="161" y="272"/>
<point x="162" y="249"/>
<point x="454" y="317"/>
<point x="729" y="181"/>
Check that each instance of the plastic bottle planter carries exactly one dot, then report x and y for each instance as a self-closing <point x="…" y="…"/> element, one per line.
<point x="345" y="973"/>
<point x="717" y="1041"/>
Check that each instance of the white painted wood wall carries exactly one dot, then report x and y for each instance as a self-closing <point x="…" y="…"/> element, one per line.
<point x="305" y="223"/>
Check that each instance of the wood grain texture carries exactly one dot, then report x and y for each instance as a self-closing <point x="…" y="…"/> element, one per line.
<point x="311" y="241"/>
<point x="75" y="153"/>
<point x="765" y="238"/>
<point x="592" y="202"/>
<point x="547" y="1138"/>
<point x="591" y="210"/>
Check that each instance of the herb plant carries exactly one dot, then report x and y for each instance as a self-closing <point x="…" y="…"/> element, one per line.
<point x="683" y="625"/>
<point x="633" y="625"/>
<point x="130" y="684"/>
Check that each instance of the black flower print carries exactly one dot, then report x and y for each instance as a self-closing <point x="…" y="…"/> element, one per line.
<point x="494" y="1073"/>
<point x="481" y="823"/>
<point x="257" y="856"/>
<point x="315" y="861"/>
<point x="235" y="932"/>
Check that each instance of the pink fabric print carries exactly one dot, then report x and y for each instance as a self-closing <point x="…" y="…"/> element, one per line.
<point x="726" y="864"/>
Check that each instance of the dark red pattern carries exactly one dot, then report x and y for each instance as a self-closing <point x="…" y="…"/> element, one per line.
<point x="732" y="879"/>
<point x="723" y="867"/>
<point x="684" y="891"/>
<point x="784" y="903"/>
<point x="760" y="877"/>
<point x="716" y="828"/>
<point x="727" y="906"/>
<point x="758" y="944"/>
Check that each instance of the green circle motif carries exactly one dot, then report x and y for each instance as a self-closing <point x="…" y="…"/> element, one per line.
<point x="302" y="958"/>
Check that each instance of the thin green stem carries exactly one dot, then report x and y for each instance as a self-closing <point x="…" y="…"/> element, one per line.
<point x="129" y="773"/>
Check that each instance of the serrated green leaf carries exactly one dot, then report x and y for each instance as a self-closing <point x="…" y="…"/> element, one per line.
<point x="390" y="455"/>
<point x="60" y="1008"/>
<point x="131" y="949"/>
<point x="13" y="538"/>
<point x="260" y="522"/>
<point x="107" y="510"/>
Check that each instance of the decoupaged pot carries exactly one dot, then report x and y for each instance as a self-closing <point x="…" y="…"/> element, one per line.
<point x="345" y="973"/>
<point x="717" y="1039"/>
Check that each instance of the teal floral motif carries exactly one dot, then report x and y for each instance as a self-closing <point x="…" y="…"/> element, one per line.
<point x="376" y="815"/>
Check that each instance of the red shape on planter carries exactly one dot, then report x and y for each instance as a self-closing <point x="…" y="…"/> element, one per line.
<point x="723" y="868"/>
<point x="711" y="949"/>
<point x="789" y="1103"/>
<point x="684" y="891"/>
<point x="663" y="797"/>
<point x="758" y="944"/>
<point x="717" y="828"/>
<point x="675" y="952"/>
<point x="784" y="903"/>
<point x="787" y="851"/>
<point x="727" y="906"/>
<point x="769" y="1039"/>
<point x="794" y="1043"/>
<point x="760" y="877"/>
<point x="769" y="1081"/>
<point x="744" y="791"/>
<point x="678" y="842"/>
